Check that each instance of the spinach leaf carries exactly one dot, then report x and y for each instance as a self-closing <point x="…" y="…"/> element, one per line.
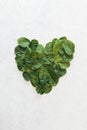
<point x="23" y="42"/>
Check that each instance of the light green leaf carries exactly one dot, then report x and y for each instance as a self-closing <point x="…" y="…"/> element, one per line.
<point x="23" y="42"/>
<point x="64" y="65"/>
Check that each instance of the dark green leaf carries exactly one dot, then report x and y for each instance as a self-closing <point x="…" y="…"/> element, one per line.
<point x="26" y="76"/>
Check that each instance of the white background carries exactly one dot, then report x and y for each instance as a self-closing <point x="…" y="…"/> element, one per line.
<point x="21" y="108"/>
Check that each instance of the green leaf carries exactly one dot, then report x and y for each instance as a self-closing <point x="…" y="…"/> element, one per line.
<point x="26" y="76"/>
<point x="63" y="38"/>
<point x="67" y="58"/>
<point x="49" y="48"/>
<point x="57" y="58"/>
<point x="33" y="45"/>
<point x="20" y="67"/>
<point x="36" y="66"/>
<point x="64" y="65"/>
<point x="23" y="42"/>
<point x="47" y="88"/>
<point x="40" y="49"/>
<point x="69" y="48"/>
<point x="56" y="47"/>
<point x="58" y="71"/>
<point x="19" y="51"/>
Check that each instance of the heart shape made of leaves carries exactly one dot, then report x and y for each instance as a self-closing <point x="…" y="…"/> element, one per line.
<point x="43" y="66"/>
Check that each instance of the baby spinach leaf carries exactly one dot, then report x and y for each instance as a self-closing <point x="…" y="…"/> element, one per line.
<point x="64" y="65"/>
<point x="26" y="76"/>
<point x="23" y="42"/>
<point x="49" y="48"/>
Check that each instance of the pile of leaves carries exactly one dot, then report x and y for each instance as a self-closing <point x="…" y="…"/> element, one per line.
<point x="43" y="66"/>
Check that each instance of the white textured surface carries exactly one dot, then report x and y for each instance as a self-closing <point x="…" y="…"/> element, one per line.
<point x="21" y="108"/>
